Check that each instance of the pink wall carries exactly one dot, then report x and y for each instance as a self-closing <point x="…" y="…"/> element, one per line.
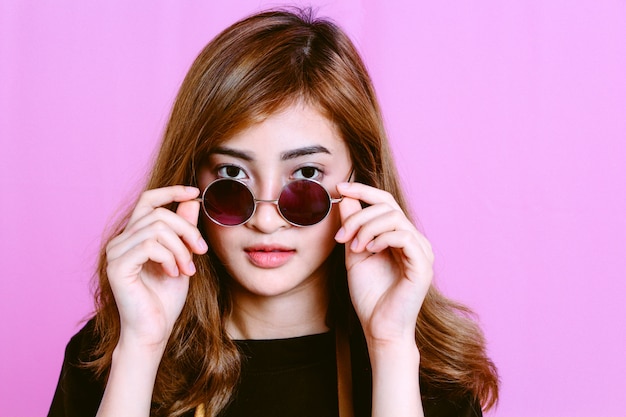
<point x="510" y="130"/>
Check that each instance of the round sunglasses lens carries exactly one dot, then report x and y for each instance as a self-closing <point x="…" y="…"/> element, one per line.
<point x="228" y="202"/>
<point x="304" y="203"/>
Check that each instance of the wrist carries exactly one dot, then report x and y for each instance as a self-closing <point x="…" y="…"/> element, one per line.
<point x="149" y="342"/>
<point x="401" y="351"/>
<point x="395" y="378"/>
<point x="404" y="343"/>
<point x="128" y="350"/>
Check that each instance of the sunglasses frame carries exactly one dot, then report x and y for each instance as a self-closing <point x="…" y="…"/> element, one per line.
<point x="275" y="202"/>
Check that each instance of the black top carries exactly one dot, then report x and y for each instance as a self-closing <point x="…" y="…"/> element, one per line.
<point x="287" y="377"/>
<point x="284" y="377"/>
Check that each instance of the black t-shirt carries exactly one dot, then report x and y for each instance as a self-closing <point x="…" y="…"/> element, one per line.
<point x="283" y="378"/>
<point x="287" y="377"/>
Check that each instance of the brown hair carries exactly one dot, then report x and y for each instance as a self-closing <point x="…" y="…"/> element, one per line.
<point x="254" y="68"/>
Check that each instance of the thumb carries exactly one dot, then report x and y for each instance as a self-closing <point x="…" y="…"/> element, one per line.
<point x="189" y="210"/>
<point x="347" y="207"/>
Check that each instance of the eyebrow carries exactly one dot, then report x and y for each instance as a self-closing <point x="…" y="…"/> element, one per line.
<point x="307" y="150"/>
<point x="222" y="150"/>
<point x="284" y="156"/>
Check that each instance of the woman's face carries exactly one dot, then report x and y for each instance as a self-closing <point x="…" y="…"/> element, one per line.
<point x="267" y="256"/>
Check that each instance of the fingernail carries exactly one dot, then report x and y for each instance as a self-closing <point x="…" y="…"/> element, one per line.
<point x="341" y="233"/>
<point x="192" y="268"/>
<point x="191" y="189"/>
<point x="343" y="185"/>
<point x="202" y="244"/>
<point x="355" y="244"/>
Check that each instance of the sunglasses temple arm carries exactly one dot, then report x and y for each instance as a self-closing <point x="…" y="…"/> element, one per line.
<point x="350" y="176"/>
<point x="340" y="199"/>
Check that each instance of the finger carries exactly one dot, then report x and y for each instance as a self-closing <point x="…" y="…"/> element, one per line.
<point x="189" y="210"/>
<point x="347" y="207"/>
<point x="179" y="224"/>
<point x="427" y="248"/>
<point x="158" y="197"/>
<point x="415" y="259"/>
<point x="352" y="224"/>
<point x="160" y="232"/>
<point x="367" y="194"/>
<point x="387" y="221"/>
<point x="133" y="260"/>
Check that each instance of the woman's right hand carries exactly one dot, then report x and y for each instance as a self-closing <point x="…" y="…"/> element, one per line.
<point x="150" y="262"/>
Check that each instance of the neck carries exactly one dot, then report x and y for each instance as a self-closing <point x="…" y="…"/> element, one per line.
<point x="299" y="313"/>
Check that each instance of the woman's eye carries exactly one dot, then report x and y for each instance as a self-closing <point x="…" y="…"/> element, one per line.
<point x="308" y="173"/>
<point x="231" y="171"/>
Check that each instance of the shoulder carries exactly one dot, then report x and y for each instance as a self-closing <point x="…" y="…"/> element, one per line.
<point x="81" y="345"/>
<point x="79" y="389"/>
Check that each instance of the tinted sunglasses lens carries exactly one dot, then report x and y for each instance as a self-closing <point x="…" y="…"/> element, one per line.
<point x="304" y="203"/>
<point x="228" y="202"/>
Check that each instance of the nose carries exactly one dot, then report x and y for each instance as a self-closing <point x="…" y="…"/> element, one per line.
<point x="266" y="218"/>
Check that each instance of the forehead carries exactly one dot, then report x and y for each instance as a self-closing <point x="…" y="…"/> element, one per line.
<point x="297" y="126"/>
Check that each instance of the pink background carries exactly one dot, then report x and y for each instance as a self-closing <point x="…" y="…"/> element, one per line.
<point x="507" y="118"/>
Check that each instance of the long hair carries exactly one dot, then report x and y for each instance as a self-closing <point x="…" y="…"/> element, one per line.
<point x="251" y="70"/>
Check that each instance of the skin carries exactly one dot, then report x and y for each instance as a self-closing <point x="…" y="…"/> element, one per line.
<point x="389" y="263"/>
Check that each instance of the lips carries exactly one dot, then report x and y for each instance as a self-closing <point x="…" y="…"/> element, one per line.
<point x="271" y="256"/>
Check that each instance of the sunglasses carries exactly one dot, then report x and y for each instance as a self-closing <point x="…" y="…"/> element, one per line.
<point x="230" y="202"/>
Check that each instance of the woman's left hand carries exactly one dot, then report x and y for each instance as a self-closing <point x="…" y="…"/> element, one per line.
<point x="389" y="263"/>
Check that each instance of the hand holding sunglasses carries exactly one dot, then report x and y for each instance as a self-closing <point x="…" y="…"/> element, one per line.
<point x="149" y="263"/>
<point x="389" y="263"/>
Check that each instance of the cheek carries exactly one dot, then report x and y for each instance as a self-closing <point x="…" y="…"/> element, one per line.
<point x="217" y="237"/>
<point x="324" y="234"/>
<point x="334" y="219"/>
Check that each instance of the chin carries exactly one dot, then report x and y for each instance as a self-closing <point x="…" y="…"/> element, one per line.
<point x="273" y="283"/>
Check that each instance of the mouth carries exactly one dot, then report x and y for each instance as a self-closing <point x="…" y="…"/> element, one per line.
<point x="269" y="256"/>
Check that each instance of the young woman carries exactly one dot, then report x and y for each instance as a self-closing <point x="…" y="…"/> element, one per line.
<point x="271" y="267"/>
